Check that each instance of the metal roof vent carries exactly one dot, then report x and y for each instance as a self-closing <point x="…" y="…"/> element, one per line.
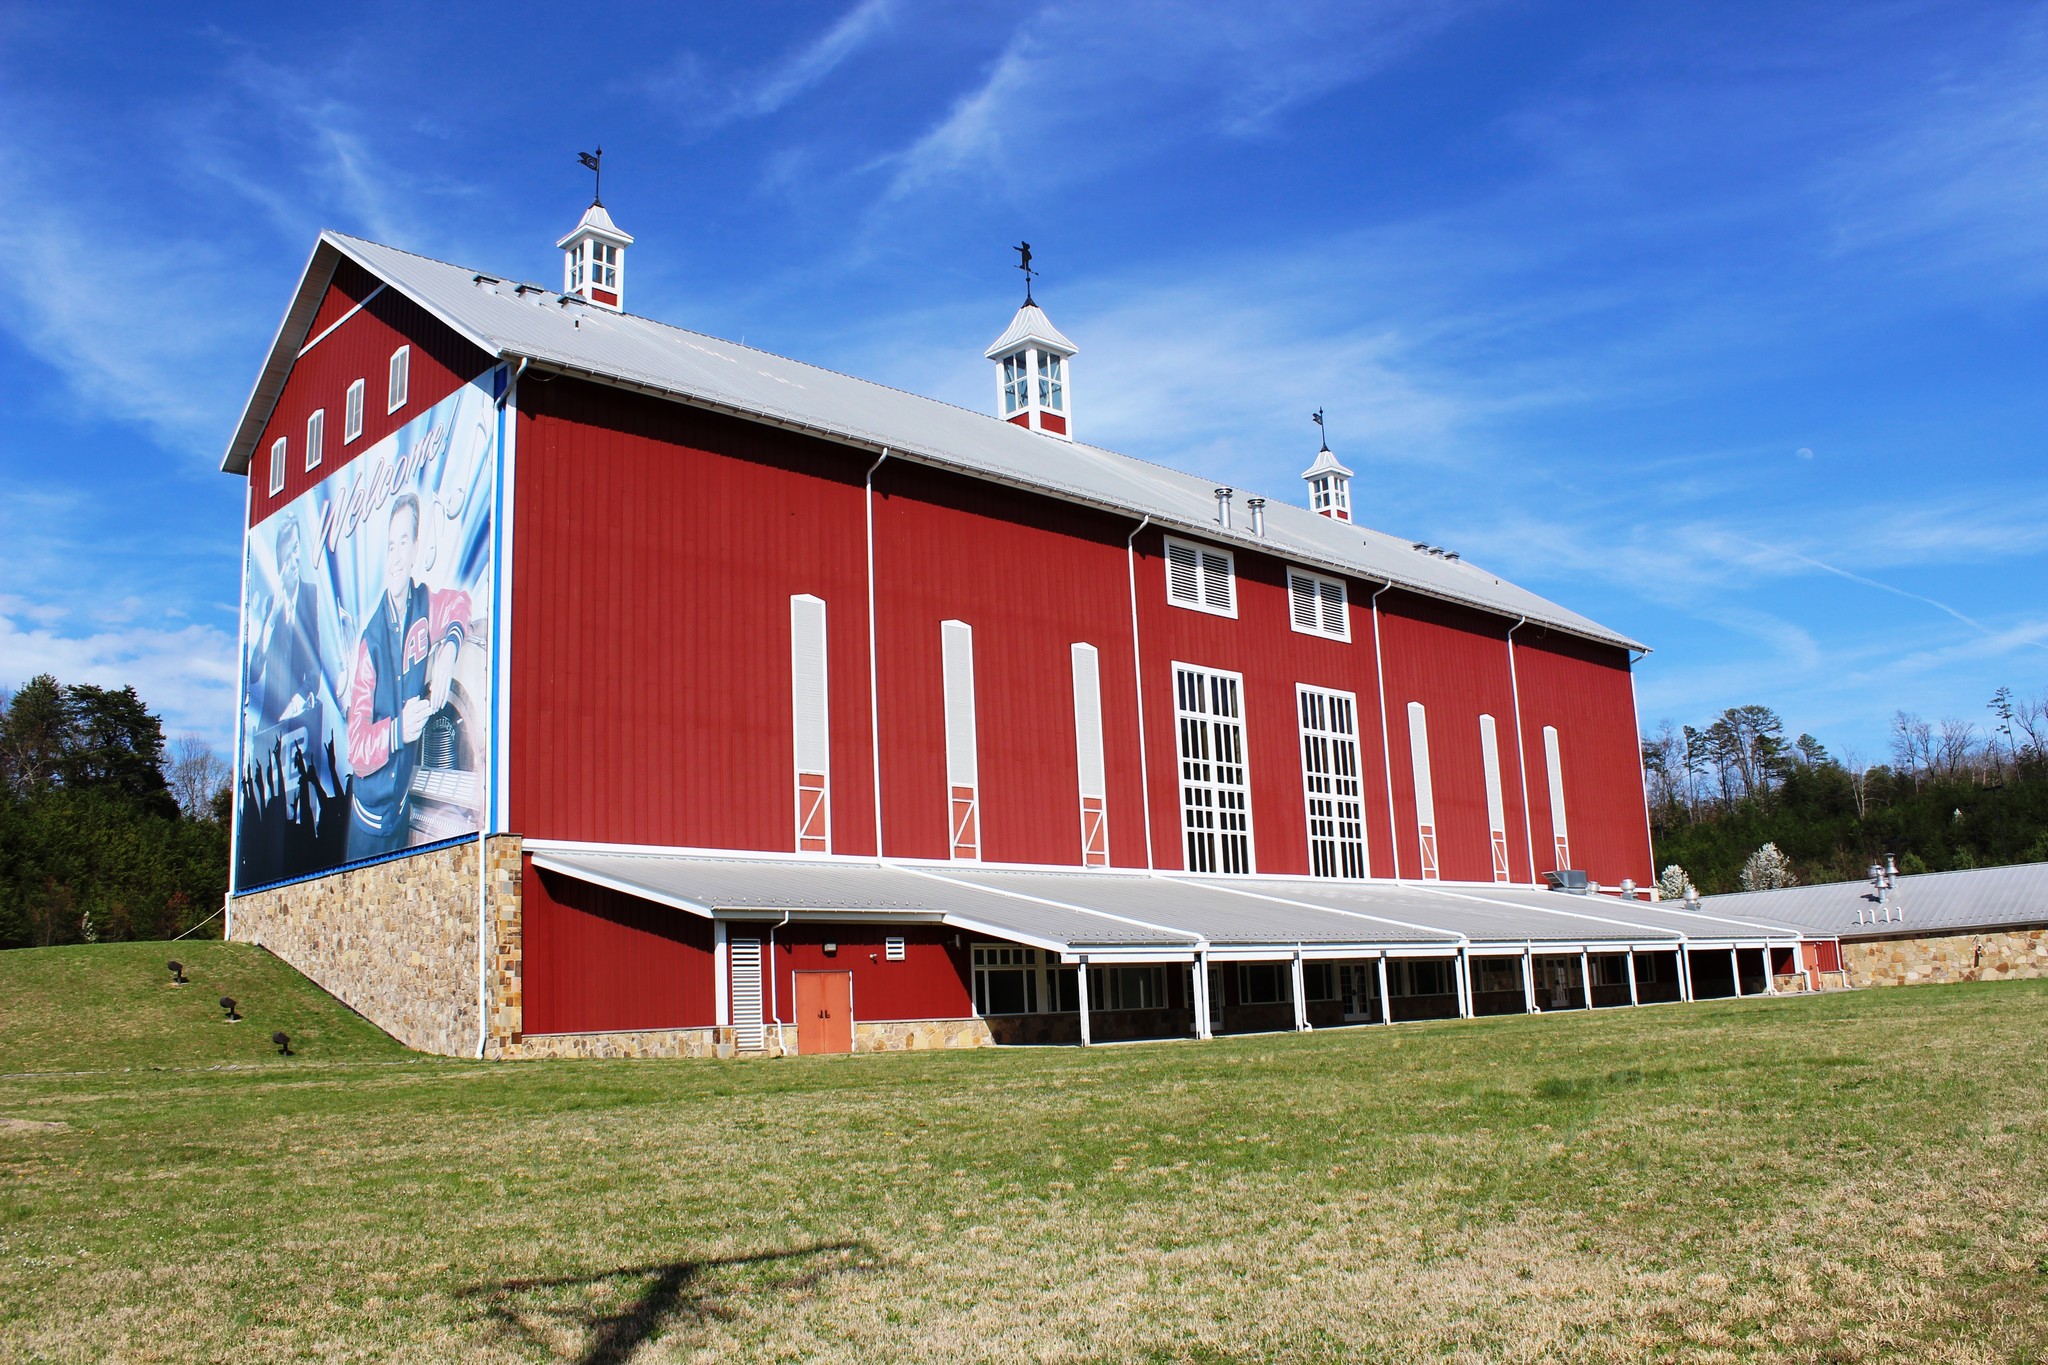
<point x="1571" y="880"/>
<point x="1258" y="511"/>
<point x="1223" y="496"/>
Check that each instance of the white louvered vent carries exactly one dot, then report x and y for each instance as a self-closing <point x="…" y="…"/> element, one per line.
<point x="892" y="949"/>
<point x="811" y="723"/>
<point x="1560" y="837"/>
<point x="1425" y="790"/>
<point x="1088" y="720"/>
<point x="1316" y="605"/>
<point x="1201" y="578"/>
<point x="1496" y="808"/>
<point x="749" y="1032"/>
<point x="956" y="641"/>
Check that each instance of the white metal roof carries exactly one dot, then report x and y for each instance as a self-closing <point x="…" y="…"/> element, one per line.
<point x="1030" y="324"/>
<point x="1977" y="898"/>
<point x="511" y="321"/>
<point x="1124" y="912"/>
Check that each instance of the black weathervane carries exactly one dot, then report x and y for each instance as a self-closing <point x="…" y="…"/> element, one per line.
<point x="1023" y="250"/>
<point x="593" y="161"/>
<point x="1317" y="418"/>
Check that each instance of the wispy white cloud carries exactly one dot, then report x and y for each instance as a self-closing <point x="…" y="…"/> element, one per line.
<point x="186" y="673"/>
<point x="818" y="59"/>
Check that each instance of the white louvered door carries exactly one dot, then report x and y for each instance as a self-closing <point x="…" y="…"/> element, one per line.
<point x="749" y="1031"/>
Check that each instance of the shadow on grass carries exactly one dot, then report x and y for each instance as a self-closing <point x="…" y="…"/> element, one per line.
<point x="543" y="1312"/>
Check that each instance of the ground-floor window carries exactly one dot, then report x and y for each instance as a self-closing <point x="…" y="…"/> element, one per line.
<point x="1319" y="980"/>
<point x="1005" y="979"/>
<point x="1490" y="974"/>
<point x="1610" y="969"/>
<point x="1421" y="976"/>
<point x="1264" y="983"/>
<point x="1126" y="988"/>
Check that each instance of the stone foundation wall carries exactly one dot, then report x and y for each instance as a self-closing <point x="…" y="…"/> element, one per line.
<point x="395" y="942"/>
<point x="1992" y="955"/>
<point x="916" y="1035"/>
<point x="670" y="1042"/>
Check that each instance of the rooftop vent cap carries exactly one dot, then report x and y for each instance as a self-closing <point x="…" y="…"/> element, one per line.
<point x="1571" y="880"/>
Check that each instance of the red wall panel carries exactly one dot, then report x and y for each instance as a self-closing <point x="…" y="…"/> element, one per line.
<point x="597" y="960"/>
<point x="359" y="348"/>
<point x="1584" y="690"/>
<point x="932" y="981"/>
<point x="656" y="550"/>
<point x="1273" y="657"/>
<point x="1455" y="662"/>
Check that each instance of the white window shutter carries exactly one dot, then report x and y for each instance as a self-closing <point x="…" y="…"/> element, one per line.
<point x="1560" y="836"/>
<point x="957" y="646"/>
<point x="1183" y="573"/>
<point x="1331" y="593"/>
<point x="1418" y="749"/>
<point x="1219" y="592"/>
<point x="1489" y="754"/>
<point x="1301" y="601"/>
<point x="1088" y="721"/>
<point x="807" y="676"/>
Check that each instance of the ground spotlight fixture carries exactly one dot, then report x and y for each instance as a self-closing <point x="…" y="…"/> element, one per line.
<point x="227" y="1002"/>
<point x="284" y="1043"/>
<point x="177" y="972"/>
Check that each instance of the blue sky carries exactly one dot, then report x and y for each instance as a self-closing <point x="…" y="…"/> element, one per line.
<point x="1725" y="325"/>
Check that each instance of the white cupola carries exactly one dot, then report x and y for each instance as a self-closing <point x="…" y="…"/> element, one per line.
<point x="594" y="259"/>
<point x="1329" y="484"/>
<point x="1033" y="386"/>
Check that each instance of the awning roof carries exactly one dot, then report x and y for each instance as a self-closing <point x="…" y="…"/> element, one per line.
<point x="1121" y="914"/>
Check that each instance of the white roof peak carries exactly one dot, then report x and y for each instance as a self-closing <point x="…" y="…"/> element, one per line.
<point x="597" y="223"/>
<point x="1031" y="325"/>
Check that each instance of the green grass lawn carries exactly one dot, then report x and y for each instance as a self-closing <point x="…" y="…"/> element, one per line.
<point x="1849" y="1178"/>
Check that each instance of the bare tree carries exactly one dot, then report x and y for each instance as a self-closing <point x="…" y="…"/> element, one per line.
<point x="1859" y="780"/>
<point x="196" y="774"/>
<point x="1952" y="747"/>
<point x="1912" y="744"/>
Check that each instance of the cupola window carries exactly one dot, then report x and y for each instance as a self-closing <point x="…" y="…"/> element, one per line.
<point x="1051" y="386"/>
<point x="1016" y="382"/>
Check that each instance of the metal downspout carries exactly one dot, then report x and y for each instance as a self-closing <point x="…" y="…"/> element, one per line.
<point x="1138" y="686"/>
<point x="774" y="1002"/>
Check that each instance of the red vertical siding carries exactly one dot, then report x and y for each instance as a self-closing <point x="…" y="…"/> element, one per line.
<point x="656" y="550"/>
<point x="1273" y="657"/>
<point x="359" y="348"/>
<point x="596" y="960"/>
<point x="1583" y="689"/>
<point x="932" y="981"/>
<point x="1455" y="662"/>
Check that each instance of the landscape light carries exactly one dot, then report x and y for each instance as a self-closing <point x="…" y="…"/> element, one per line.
<point x="177" y="972"/>
<point x="227" y="1002"/>
<point x="284" y="1043"/>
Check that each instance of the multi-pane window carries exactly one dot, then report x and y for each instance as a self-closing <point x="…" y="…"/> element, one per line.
<point x="1215" y="791"/>
<point x="1016" y="382"/>
<point x="1329" y="494"/>
<point x="1319" y="981"/>
<point x="1005" y="979"/>
<point x="1422" y="976"/>
<point x="1264" y="983"/>
<point x="1051" y="386"/>
<point x="352" y="413"/>
<point x="279" y="453"/>
<point x="1126" y="988"/>
<point x="1201" y="577"/>
<point x="316" y="437"/>
<point x="1335" y="789"/>
<point x="1315" y="605"/>
<point x="401" y="378"/>
<point x="604" y="265"/>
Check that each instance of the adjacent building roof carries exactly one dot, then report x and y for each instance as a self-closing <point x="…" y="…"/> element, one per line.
<point x="1126" y="913"/>
<point x="1953" y="902"/>
<point x="565" y="334"/>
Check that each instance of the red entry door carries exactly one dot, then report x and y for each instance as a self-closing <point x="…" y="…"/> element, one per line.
<point x="824" y="1012"/>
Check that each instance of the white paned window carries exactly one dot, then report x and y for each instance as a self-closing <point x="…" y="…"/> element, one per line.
<point x="280" y="451"/>
<point x="1560" y="838"/>
<point x="1051" y="386"/>
<point x="576" y="267"/>
<point x="1126" y="988"/>
<point x="401" y="378"/>
<point x="1425" y="791"/>
<point x="352" y="413"/>
<point x="1006" y="979"/>
<point x="811" y="722"/>
<point x="1264" y="983"/>
<point x="1088" y="757"/>
<point x="1496" y="807"/>
<point x="1316" y="605"/>
<point x="1016" y="382"/>
<point x="1215" y="791"/>
<point x="963" y="781"/>
<point x="316" y="438"/>
<point x="892" y="949"/>
<point x="1331" y="778"/>
<point x="604" y="265"/>
<point x="1201" y="578"/>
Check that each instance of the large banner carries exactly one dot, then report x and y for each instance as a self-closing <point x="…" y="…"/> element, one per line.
<point x="367" y="636"/>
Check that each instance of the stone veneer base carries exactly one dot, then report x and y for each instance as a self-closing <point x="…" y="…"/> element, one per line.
<point x="910" y="1035"/>
<point x="1916" y="960"/>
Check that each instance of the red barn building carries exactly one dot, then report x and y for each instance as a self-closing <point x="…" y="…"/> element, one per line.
<point x="614" y="689"/>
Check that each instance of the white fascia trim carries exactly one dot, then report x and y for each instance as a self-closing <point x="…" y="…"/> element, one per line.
<point x="1093" y="955"/>
<point x="613" y="883"/>
<point x="975" y="926"/>
<point x="361" y="304"/>
<point x="687" y="851"/>
<point x="1647" y="930"/>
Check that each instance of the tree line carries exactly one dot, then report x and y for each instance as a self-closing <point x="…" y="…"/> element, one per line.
<point x="105" y="831"/>
<point x="1954" y="793"/>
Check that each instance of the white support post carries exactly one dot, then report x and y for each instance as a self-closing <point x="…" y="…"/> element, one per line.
<point x="1464" y="968"/>
<point x="1685" y="973"/>
<point x="721" y="976"/>
<point x="1386" y="1000"/>
<point x="1529" y="979"/>
<point x="1735" y="969"/>
<point x="1300" y="994"/>
<point x="1198" y="993"/>
<point x="1633" y="997"/>
<point x="1770" y="973"/>
<point x="1081" y="980"/>
<point x="1586" y="976"/>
